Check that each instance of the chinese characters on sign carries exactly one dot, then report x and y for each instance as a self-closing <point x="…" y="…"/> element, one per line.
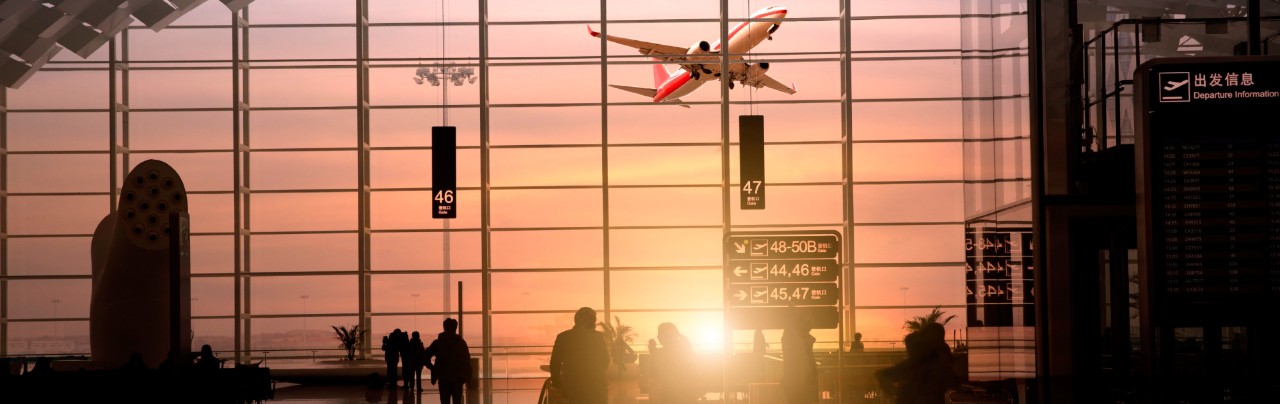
<point x="774" y="276"/>
<point x="1210" y="167"/>
<point x="444" y="172"/>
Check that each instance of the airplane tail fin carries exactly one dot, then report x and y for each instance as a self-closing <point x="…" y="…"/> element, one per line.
<point x="660" y="74"/>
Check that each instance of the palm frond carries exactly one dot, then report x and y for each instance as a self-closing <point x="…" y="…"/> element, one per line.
<point x="935" y="316"/>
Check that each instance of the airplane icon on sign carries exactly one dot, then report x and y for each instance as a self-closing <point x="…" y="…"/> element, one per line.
<point x="759" y="294"/>
<point x="1173" y="85"/>
<point x="759" y="248"/>
<point x="759" y="271"/>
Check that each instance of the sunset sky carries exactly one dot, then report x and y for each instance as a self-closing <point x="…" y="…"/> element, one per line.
<point x="914" y="101"/>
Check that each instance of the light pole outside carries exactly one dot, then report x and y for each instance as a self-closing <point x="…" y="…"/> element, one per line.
<point x="55" y="302"/>
<point x="439" y="76"/>
<point x="304" y="318"/>
<point x="415" y="310"/>
<point x="904" y="305"/>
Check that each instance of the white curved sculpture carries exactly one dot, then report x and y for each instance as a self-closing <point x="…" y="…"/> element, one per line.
<point x="130" y="308"/>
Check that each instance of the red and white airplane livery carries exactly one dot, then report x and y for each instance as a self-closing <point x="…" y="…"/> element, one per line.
<point x="700" y="63"/>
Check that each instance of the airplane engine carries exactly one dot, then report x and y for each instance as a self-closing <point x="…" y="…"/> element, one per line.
<point x="757" y="70"/>
<point x="699" y="47"/>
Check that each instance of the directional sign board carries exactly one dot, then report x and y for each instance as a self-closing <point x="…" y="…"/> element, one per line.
<point x="774" y="277"/>
<point x="775" y="294"/>
<point x="800" y="270"/>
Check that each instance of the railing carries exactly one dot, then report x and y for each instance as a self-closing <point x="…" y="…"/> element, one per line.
<point x="1109" y="59"/>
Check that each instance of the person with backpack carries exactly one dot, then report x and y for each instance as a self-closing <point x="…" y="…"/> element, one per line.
<point x="451" y="367"/>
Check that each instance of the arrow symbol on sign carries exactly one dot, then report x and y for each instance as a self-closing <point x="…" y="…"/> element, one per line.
<point x="741" y="248"/>
<point x="738" y="271"/>
<point x="741" y="295"/>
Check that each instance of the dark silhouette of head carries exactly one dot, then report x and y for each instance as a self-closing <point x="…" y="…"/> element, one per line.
<point x="917" y="345"/>
<point x="584" y="318"/>
<point x="934" y="332"/>
<point x="415" y="335"/>
<point x="450" y="325"/>
<point x="857" y="336"/>
<point x="668" y="334"/>
<point x="206" y="350"/>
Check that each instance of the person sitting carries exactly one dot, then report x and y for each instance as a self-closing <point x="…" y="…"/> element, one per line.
<point x="206" y="360"/>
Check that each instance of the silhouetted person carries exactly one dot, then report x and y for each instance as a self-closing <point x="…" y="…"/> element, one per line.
<point x="925" y="375"/>
<point x="391" y="356"/>
<point x="856" y="346"/>
<point x="135" y="363"/>
<point x="451" y="368"/>
<point x="400" y="342"/>
<point x="43" y="367"/>
<point x="673" y="378"/>
<point x="579" y="360"/>
<point x="799" y="369"/>
<point x="413" y="358"/>
<point x="407" y="361"/>
<point x="206" y="360"/>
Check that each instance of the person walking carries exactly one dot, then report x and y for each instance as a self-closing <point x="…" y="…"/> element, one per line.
<point x="451" y="368"/>
<point x="579" y="360"/>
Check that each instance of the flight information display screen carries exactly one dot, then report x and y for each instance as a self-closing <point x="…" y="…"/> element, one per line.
<point x="1210" y="168"/>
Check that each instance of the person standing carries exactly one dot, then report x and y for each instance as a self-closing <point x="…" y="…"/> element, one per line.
<point x="799" y="369"/>
<point x="857" y="346"/>
<point x="391" y="357"/>
<point x="579" y="360"/>
<point x="400" y="342"/>
<point x="673" y="375"/>
<point x="413" y="358"/>
<point x="452" y="366"/>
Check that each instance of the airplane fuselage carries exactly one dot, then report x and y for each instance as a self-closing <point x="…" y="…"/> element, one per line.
<point x="742" y="39"/>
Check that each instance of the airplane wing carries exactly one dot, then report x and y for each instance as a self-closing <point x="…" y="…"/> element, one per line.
<point x="647" y="92"/>
<point x="675" y="53"/>
<point x="766" y="81"/>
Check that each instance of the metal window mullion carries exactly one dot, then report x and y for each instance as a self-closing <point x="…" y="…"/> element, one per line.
<point x="240" y="162"/>
<point x="849" y="316"/>
<point x="4" y="221"/>
<point x="113" y="90"/>
<point x="123" y="107"/>
<point x="362" y="129"/>
<point x="725" y="213"/>
<point x="604" y="158"/>
<point x="486" y="277"/>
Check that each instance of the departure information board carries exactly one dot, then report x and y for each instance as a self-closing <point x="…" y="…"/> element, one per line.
<point x="1209" y="162"/>
<point x="773" y="277"/>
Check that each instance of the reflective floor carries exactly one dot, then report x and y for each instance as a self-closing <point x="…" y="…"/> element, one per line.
<point x="347" y="394"/>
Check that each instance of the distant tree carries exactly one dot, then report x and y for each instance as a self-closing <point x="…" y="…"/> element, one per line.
<point x="349" y="338"/>
<point x="918" y="323"/>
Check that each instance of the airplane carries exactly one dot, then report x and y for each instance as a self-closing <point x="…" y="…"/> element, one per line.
<point x="700" y="63"/>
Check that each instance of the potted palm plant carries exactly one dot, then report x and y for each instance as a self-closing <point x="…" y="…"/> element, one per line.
<point x="348" y="338"/>
<point x="935" y="316"/>
<point x="619" y="336"/>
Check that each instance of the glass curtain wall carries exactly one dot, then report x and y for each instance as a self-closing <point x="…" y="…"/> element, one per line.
<point x="305" y="145"/>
